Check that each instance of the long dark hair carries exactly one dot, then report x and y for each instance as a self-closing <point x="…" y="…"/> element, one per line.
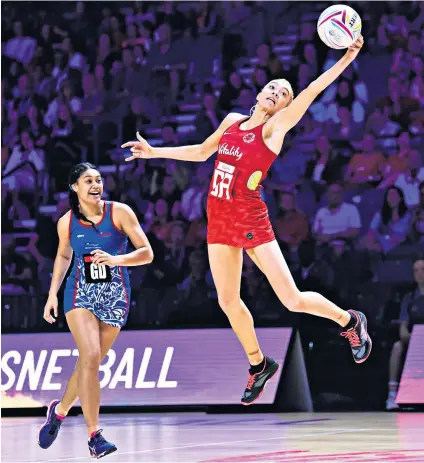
<point x="386" y="210"/>
<point x="74" y="175"/>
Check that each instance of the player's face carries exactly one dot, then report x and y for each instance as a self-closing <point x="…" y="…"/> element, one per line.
<point x="273" y="97"/>
<point x="90" y="186"/>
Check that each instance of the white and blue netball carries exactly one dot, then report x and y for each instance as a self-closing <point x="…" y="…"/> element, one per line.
<point x="339" y="26"/>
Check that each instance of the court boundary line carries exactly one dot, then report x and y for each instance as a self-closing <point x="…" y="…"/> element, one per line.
<point x="211" y="444"/>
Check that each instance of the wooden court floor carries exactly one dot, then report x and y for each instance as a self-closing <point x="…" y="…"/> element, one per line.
<point x="197" y="437"/>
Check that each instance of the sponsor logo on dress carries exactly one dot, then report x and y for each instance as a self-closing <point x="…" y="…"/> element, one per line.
<point x="249" y="137"/>
<point x="105" y="235"/>
<point x="233" y="151"/>
<point x="80" y="236"/>
<point x="92" y="246"/>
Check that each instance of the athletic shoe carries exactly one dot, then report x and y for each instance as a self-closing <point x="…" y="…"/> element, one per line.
<point x="99" y="447"/>
<point x="359" y="339"/>
<point x="50" y="429"/>
<point x="257" y="381"/>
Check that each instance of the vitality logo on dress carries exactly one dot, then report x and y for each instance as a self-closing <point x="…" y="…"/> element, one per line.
<point x="233" y="151"/>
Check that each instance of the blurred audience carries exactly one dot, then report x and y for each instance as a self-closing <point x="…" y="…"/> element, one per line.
<point x="367" y="165"/>
<point x="390" y="227"/>
<point x="82" y="81"/>
<point x="338" y="220"/>
<point x="291" y="226"/>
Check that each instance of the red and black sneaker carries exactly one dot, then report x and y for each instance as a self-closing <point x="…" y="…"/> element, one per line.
<point x="358" y="337"/>
<point x="257" y="381"/>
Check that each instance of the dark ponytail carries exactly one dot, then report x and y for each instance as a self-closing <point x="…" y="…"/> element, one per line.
<point x="74" y="175"/>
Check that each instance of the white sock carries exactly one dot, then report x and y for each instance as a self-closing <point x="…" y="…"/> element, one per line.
<point x="57" y="413"/>
<point x="90" y="436"/>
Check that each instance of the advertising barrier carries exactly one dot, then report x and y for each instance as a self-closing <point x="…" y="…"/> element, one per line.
<point x="411" y="388"/>
<point x="161" y="367"/>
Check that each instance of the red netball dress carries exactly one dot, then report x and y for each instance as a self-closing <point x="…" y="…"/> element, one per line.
<point x="237" y="216"/>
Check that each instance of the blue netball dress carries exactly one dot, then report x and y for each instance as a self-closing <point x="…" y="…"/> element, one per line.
<point x="103" y="290"/>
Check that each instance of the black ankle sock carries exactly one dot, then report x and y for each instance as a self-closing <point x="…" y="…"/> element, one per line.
<point x="257" y="368"/>
<point x="352" y="322"/>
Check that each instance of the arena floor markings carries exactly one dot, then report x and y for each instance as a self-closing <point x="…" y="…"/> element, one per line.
<point x="197" y="437"/>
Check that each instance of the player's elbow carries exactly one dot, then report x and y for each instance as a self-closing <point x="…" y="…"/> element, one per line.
<point x="206" y="150"/>
<point x="64" y="256"/>
<point x="149" y="256"/>
<point x="203" y="153"/>
<point x="314" y="89"/>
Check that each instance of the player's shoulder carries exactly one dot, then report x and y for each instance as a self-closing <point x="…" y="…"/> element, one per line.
<point x="64" y="222"/>
<point x="121" y="209"/>
<point x="230" y="119"/>
<point x="65" y="218"/>
<point x="234" y="117"/>
<point x="117" y="206"/>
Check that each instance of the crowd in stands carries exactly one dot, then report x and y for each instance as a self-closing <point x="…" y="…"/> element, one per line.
<point x="346" y="195"/>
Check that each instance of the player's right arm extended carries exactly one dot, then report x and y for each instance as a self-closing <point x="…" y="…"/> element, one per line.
<point x="63" y="257"/>
<point x="196" y="153"/>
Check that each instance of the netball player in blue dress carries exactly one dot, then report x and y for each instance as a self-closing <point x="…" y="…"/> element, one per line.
<point x="97" y="293"/>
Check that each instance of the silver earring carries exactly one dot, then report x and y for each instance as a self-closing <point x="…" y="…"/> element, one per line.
<point x="252" y="109"/>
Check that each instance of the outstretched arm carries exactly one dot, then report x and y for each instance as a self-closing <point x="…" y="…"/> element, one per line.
<point x="196" y="153"/>
<point x="288" y="117"/>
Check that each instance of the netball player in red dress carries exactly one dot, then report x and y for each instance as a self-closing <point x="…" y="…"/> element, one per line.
<point x="238" y="218"/>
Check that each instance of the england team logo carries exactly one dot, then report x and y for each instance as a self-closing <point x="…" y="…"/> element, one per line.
<point x="249" y="137"/>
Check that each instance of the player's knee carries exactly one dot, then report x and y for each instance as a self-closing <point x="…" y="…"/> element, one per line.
<point x="295" y="302"/>
<point x="91" y="358"/>
<point x="229" y="303"/>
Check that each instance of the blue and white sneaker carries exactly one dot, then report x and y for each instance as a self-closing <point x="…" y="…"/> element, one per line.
<point x="358" y="337"/>
<point x="99" y="447"/>
<point x="50" y="429"/>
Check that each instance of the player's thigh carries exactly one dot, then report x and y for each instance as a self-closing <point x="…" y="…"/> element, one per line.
<point x="85" y="328"/>
<point x="251" y="254"/>
<point x="226" y="265"/>
<point x="273" y="264"/>
<point x="108" y="335"/>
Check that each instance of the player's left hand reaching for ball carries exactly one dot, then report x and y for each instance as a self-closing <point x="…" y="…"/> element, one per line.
<point x="353" y="50"/>
<point x="103" y="258"/>
<point x="139" y="149"/>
